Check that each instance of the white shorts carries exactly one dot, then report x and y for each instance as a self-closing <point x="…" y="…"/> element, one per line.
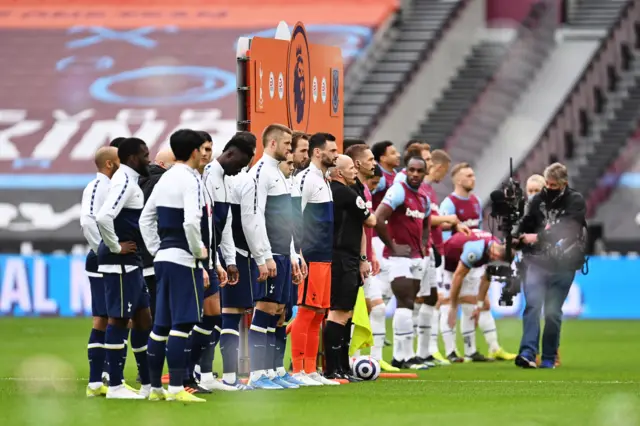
<point x="372" y="288"/>
<point x="430" y="279"/>
<point x="403" y="267"/>
<point x="470" y="284"/>
<point x="378" y="248"/>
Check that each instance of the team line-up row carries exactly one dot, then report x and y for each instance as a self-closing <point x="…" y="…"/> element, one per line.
<point x="182" y="248"/>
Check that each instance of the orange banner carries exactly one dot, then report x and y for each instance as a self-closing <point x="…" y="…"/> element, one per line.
<point x="238" y="15"/>
<point x="297" y="84"/>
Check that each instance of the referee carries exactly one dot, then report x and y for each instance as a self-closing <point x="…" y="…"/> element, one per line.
<point x="349" y="265"/>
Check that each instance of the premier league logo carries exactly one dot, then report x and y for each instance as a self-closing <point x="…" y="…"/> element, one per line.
<point x="299" y="92"/>
<point x="335" y="90"/>
<point x="298" y="75"/>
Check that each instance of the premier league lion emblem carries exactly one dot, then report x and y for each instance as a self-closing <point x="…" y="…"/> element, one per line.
<point x="299" y="86"/>
<point x="335" y="90"/>
<point x="299" y="73"/>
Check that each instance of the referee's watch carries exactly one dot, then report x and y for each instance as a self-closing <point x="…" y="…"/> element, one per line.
<point x="363" y="258"/>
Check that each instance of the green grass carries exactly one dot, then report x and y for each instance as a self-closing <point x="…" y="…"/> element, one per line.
<point x="598" y="384"/>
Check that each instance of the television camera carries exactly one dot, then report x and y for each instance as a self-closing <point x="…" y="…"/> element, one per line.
<point x="507" y="208"/>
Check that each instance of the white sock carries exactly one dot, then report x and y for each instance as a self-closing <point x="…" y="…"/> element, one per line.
<point x="435" y="325"/>
<point x="424" y="330"/>
<point x="281" y="371"/>
<point x="255" y="375"/>
<point x="271" y="373"/>
<point x="379" y="330"/>
<point x="414" y="317"/>
<point x="229" y="378"/>
<point x="402" y="334"/>
<point x="206" y="377"/>
<point x="468" y="328"/>
<point x="488" y="326"/>
<point x="448" y="334"/>
<point x="175" y="389"/>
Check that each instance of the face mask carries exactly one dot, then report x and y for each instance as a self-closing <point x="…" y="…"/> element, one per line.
<point x="530" y="197"/>
<point x="551" y="194"/>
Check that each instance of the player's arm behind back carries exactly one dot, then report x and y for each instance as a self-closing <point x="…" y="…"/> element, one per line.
<point x="193" y="199"/>
<point x="149" y="222"/>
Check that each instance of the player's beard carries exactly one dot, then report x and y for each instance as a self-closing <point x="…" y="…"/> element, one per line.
<point x="326" y="162"/>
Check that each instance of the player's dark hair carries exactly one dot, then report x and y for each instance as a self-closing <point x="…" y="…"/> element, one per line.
<point x="117" y="141"/>
<point x="412" y="152"/>
<point x="204" y="135"/>
<point x="319" y="140"/>
<point x="244" y="142"/>
<point x="377" y="171"/>
<point x="409" y="144"/>
<point x="129" y="147"/>
<point x="379" y="149"/>
<point x="296" y="137"/>
<point x="349" y="142"/>
<point x="419" y="158"/>
<point x="183" y="142"/>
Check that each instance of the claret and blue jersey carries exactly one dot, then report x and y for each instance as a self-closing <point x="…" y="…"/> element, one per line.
<point x="467" y="209"/>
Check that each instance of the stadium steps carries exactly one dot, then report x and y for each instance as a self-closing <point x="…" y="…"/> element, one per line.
<point x="609" y="133"/>
<point x="416" y="31"/>
<point x="463" y="92"/>
<point x="590" y="14"/>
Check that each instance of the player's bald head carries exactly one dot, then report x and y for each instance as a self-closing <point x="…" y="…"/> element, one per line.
<point x="165" y="158"/>
<point x="343" y="162"/>
<point x="104" y="154"/>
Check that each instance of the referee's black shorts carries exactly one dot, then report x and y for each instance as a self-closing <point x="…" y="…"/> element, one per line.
<point x="345" y="281"/>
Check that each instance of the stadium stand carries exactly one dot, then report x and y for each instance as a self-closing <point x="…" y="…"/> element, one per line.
<point x="486" y="100"/>
<point x="587" y="14"/>
<point x="417" y="33"/>
<point x="463" y="91"/>
<point x="568" y="136"/>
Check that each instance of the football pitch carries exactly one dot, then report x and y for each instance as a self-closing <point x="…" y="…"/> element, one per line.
<point x="597" y="384"/>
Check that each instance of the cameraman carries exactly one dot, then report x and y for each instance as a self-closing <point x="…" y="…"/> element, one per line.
<point x="552" y="234"/>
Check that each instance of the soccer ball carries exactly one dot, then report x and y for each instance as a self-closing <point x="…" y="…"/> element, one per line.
<point x="366" y="368"/>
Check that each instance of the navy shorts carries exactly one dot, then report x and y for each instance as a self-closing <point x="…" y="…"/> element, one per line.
<point x="278" y="288"/>
<point x="98" y="297"/>
<point x="214" y="284"/>
<point x="125" y="294"/>
<point x="180" y="294"/>
<point x="241" y="294"/>
<point x="293" y="300"/>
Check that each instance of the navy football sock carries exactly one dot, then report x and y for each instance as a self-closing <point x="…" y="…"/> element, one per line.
<point x="96" y="353"/>
<point x="206" y="360"/>
<point x="230" y="342"/>
<point x="156" y="348"/>
<point x="114" y="346"/>
<point x="258" y="340"/>
<point x="177" y="353"/>
<point x="281" y="346"/>
<point x="270" y="363"/>
<point x="139" y="341"/>
<point x="123" y="362"/>
<point x="200" y="339"/>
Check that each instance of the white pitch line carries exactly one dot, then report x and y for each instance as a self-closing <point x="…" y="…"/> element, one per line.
<point x="575" y="382"/>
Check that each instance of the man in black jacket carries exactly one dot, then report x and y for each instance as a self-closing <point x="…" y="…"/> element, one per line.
<point x="554" y="228"/>
<point x="164" y="160"/>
